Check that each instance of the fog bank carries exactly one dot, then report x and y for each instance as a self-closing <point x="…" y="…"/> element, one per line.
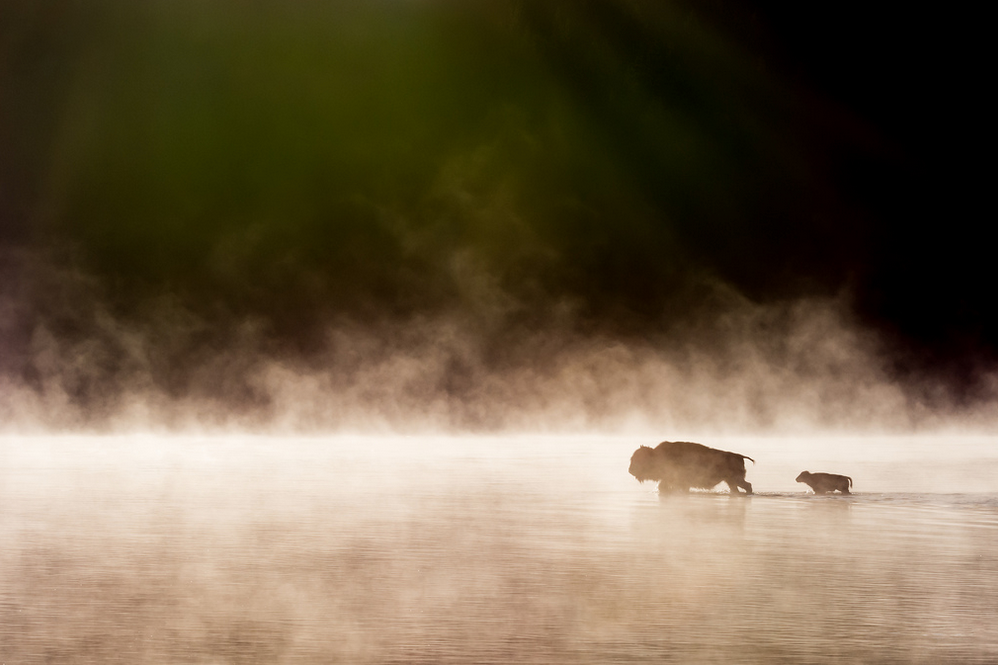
<point x="735" y="367"/>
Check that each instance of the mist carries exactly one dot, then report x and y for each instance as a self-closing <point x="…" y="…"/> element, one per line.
<point x="795" y="366"/>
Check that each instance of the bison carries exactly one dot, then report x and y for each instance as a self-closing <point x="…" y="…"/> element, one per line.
<point x="680" y="466"/>
<point x="823" y="483"/>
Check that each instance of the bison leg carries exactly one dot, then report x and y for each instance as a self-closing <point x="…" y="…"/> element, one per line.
<point x="734" y="484"/>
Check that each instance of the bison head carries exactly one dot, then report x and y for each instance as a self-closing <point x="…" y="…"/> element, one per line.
<point x="803" y="477"/>
<point x="644" y="465"/>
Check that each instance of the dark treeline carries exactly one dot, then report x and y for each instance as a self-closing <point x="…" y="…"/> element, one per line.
<point x="598" y="166"/>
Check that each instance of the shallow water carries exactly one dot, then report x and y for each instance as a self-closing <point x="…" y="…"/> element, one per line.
<point x="490" y="550"/>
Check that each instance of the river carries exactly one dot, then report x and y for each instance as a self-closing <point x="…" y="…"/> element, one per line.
<point x="502" y="549"/>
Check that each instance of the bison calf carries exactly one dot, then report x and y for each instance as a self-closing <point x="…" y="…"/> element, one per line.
<point x="680" y="466"/>
<point x="823" y="483"/>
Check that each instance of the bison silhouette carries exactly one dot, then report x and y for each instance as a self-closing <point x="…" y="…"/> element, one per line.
<point x="679" y="466"/>
<point x="824" y="483"/>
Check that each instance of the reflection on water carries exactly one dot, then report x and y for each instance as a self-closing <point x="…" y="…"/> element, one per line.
<point x="460" y="551"/>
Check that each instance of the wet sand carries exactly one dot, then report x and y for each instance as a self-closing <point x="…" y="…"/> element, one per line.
<point x="443" y="550"/>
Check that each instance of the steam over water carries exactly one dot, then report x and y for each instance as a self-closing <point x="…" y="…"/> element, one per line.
<point x="490" y="550"/>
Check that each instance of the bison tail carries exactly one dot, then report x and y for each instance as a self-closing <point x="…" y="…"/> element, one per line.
<point x="850" y="481"/>
<point x="748" y="458"/>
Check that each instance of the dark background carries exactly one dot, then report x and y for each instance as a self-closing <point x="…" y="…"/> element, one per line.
<point x="200" y="176"/>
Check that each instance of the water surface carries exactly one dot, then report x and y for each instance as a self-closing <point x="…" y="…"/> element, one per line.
<point x="490" y="550"/>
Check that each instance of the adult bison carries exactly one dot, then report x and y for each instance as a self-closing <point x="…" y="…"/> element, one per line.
<point x="824" y="483"/>
<point x="680" y="466"/>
